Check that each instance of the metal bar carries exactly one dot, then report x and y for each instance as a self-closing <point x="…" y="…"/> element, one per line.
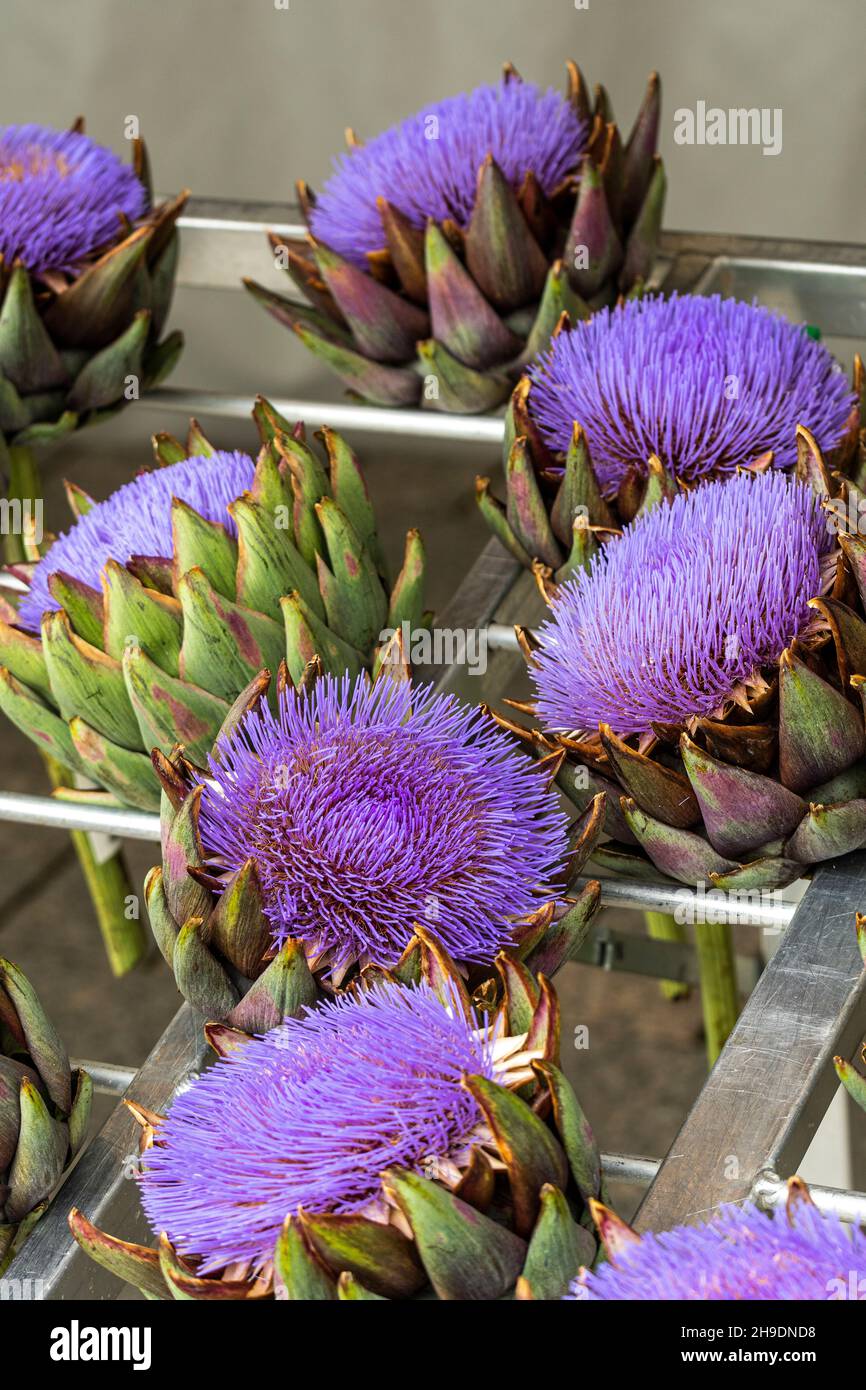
<point x="76" y="815"/>
<point x="109" y="1078"/>
<point x="501" y="637"/>
<point x="409" y="424"/>
<point x="767" y="911"/>
<point x="774" y="1079"/>
<point x="771" y="1192"/>
<point x="629" y="1168"/>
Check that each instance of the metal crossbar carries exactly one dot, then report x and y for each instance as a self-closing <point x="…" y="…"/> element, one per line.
<point x="757" y="1113"/>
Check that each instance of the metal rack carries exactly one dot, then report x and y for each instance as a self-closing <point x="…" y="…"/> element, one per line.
<point x="760" y="1107"/>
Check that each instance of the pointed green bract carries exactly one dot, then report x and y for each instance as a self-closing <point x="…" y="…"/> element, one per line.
<point x="820" y="731"/>
<point x="85" y="678"/>
<point x="526" y="1146"/>
<point x="203" y="545"/>
<point x="39" y="1155"/>
<point x="574" y="1131"/>
<point x="297" y="1273"/>
<point x="170" y="711"/>
<point x="380" y="1256"/>
<point x="135" y="1264"/>
<point x="307" y="637"/>
<point x="527" y="513"/>
<point x="558" y="1248"/>
<point x="285" y="989"/>
<point x="465" y="1255"/>
<point x="128" y="774"/>
<point x="269" y="563"/>
<point x="740" y="809"/>
<point x="82" y="605"/>
<point x="224" y="645"/>
<point x="142" y="617"/>
<point x="200" y="978"/>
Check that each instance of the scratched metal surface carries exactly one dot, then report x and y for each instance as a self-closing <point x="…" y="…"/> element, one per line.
<point x="769" y="1089"/>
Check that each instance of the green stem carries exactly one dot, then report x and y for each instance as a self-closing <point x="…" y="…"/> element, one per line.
<point x="25" y="486"/>
<point x="715" y="949"/>
<point x="108" y="881"/>
<point x="662" y="927"/>
<point x="111" y="892"/>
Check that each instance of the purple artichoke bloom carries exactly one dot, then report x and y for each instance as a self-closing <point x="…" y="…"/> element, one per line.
<point x="61" y="197"/>
<point x="706" y="384"/>
<point x="427" y="166"/>
<point x="693" y="599"/>
<point x="370" y="807"/>
<point x="136" y="520"/>
<point x="310" y="1115"/>
<point x="742" y="1254"/>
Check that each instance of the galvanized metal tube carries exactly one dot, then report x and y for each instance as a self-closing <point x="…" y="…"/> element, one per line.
<point x="771" y="1192"/>
<point x="630" y="1168"/>
<point x="76" y="815"/>
<point x="370" y="419"/>
<point x="109" y="1078"/>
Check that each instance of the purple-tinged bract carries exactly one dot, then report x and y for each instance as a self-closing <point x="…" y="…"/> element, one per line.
<point x="370" y="807"/>
<point x="427" y="166"/>
<point x="61" y="198"/>
<point x="706" y="384"/>
<point x="742" y="1254"/>
<point x="310" y="1115"/>
<point x="693" y="598"/>
<point x="136" y="520"/>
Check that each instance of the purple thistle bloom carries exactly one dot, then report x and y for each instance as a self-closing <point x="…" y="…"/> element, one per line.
<point x="61" y="197"/>
<point x="136" y="520"/>
<point x="427" y="166"/>
<point x="742" y="1254"/>
<point x="693" y="598"/>
<point x="707" y="384"/>
<point x="310" y="1115"/>
<point x="370" y="807"/>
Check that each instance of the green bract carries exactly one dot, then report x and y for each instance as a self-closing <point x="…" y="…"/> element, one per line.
<point x="44" y="1109"/>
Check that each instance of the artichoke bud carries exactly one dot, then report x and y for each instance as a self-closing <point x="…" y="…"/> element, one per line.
<point x="44" y="1108"/>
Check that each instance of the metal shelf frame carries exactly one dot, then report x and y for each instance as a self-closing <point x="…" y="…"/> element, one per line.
<point x="764" y="1099"/>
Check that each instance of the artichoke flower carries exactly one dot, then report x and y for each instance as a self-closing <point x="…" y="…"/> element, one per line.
<point x="707" y="672"/>
<point x="363" y="825"/>
<point x="389" y="1144"/>
<point x="143" y="623"/>
<point x="442" y="254"/>
<point x="44" y="1109"/>
<point x="743" y="1253"/>
<point x="655" y="395"/>
<point x="86" y="277"/>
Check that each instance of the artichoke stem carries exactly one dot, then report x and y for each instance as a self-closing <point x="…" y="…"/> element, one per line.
<point x="25" y="487"/>
<point x="715" y="949"/>
<point x="662" y="927"/>
<point x="111" y="893"/>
